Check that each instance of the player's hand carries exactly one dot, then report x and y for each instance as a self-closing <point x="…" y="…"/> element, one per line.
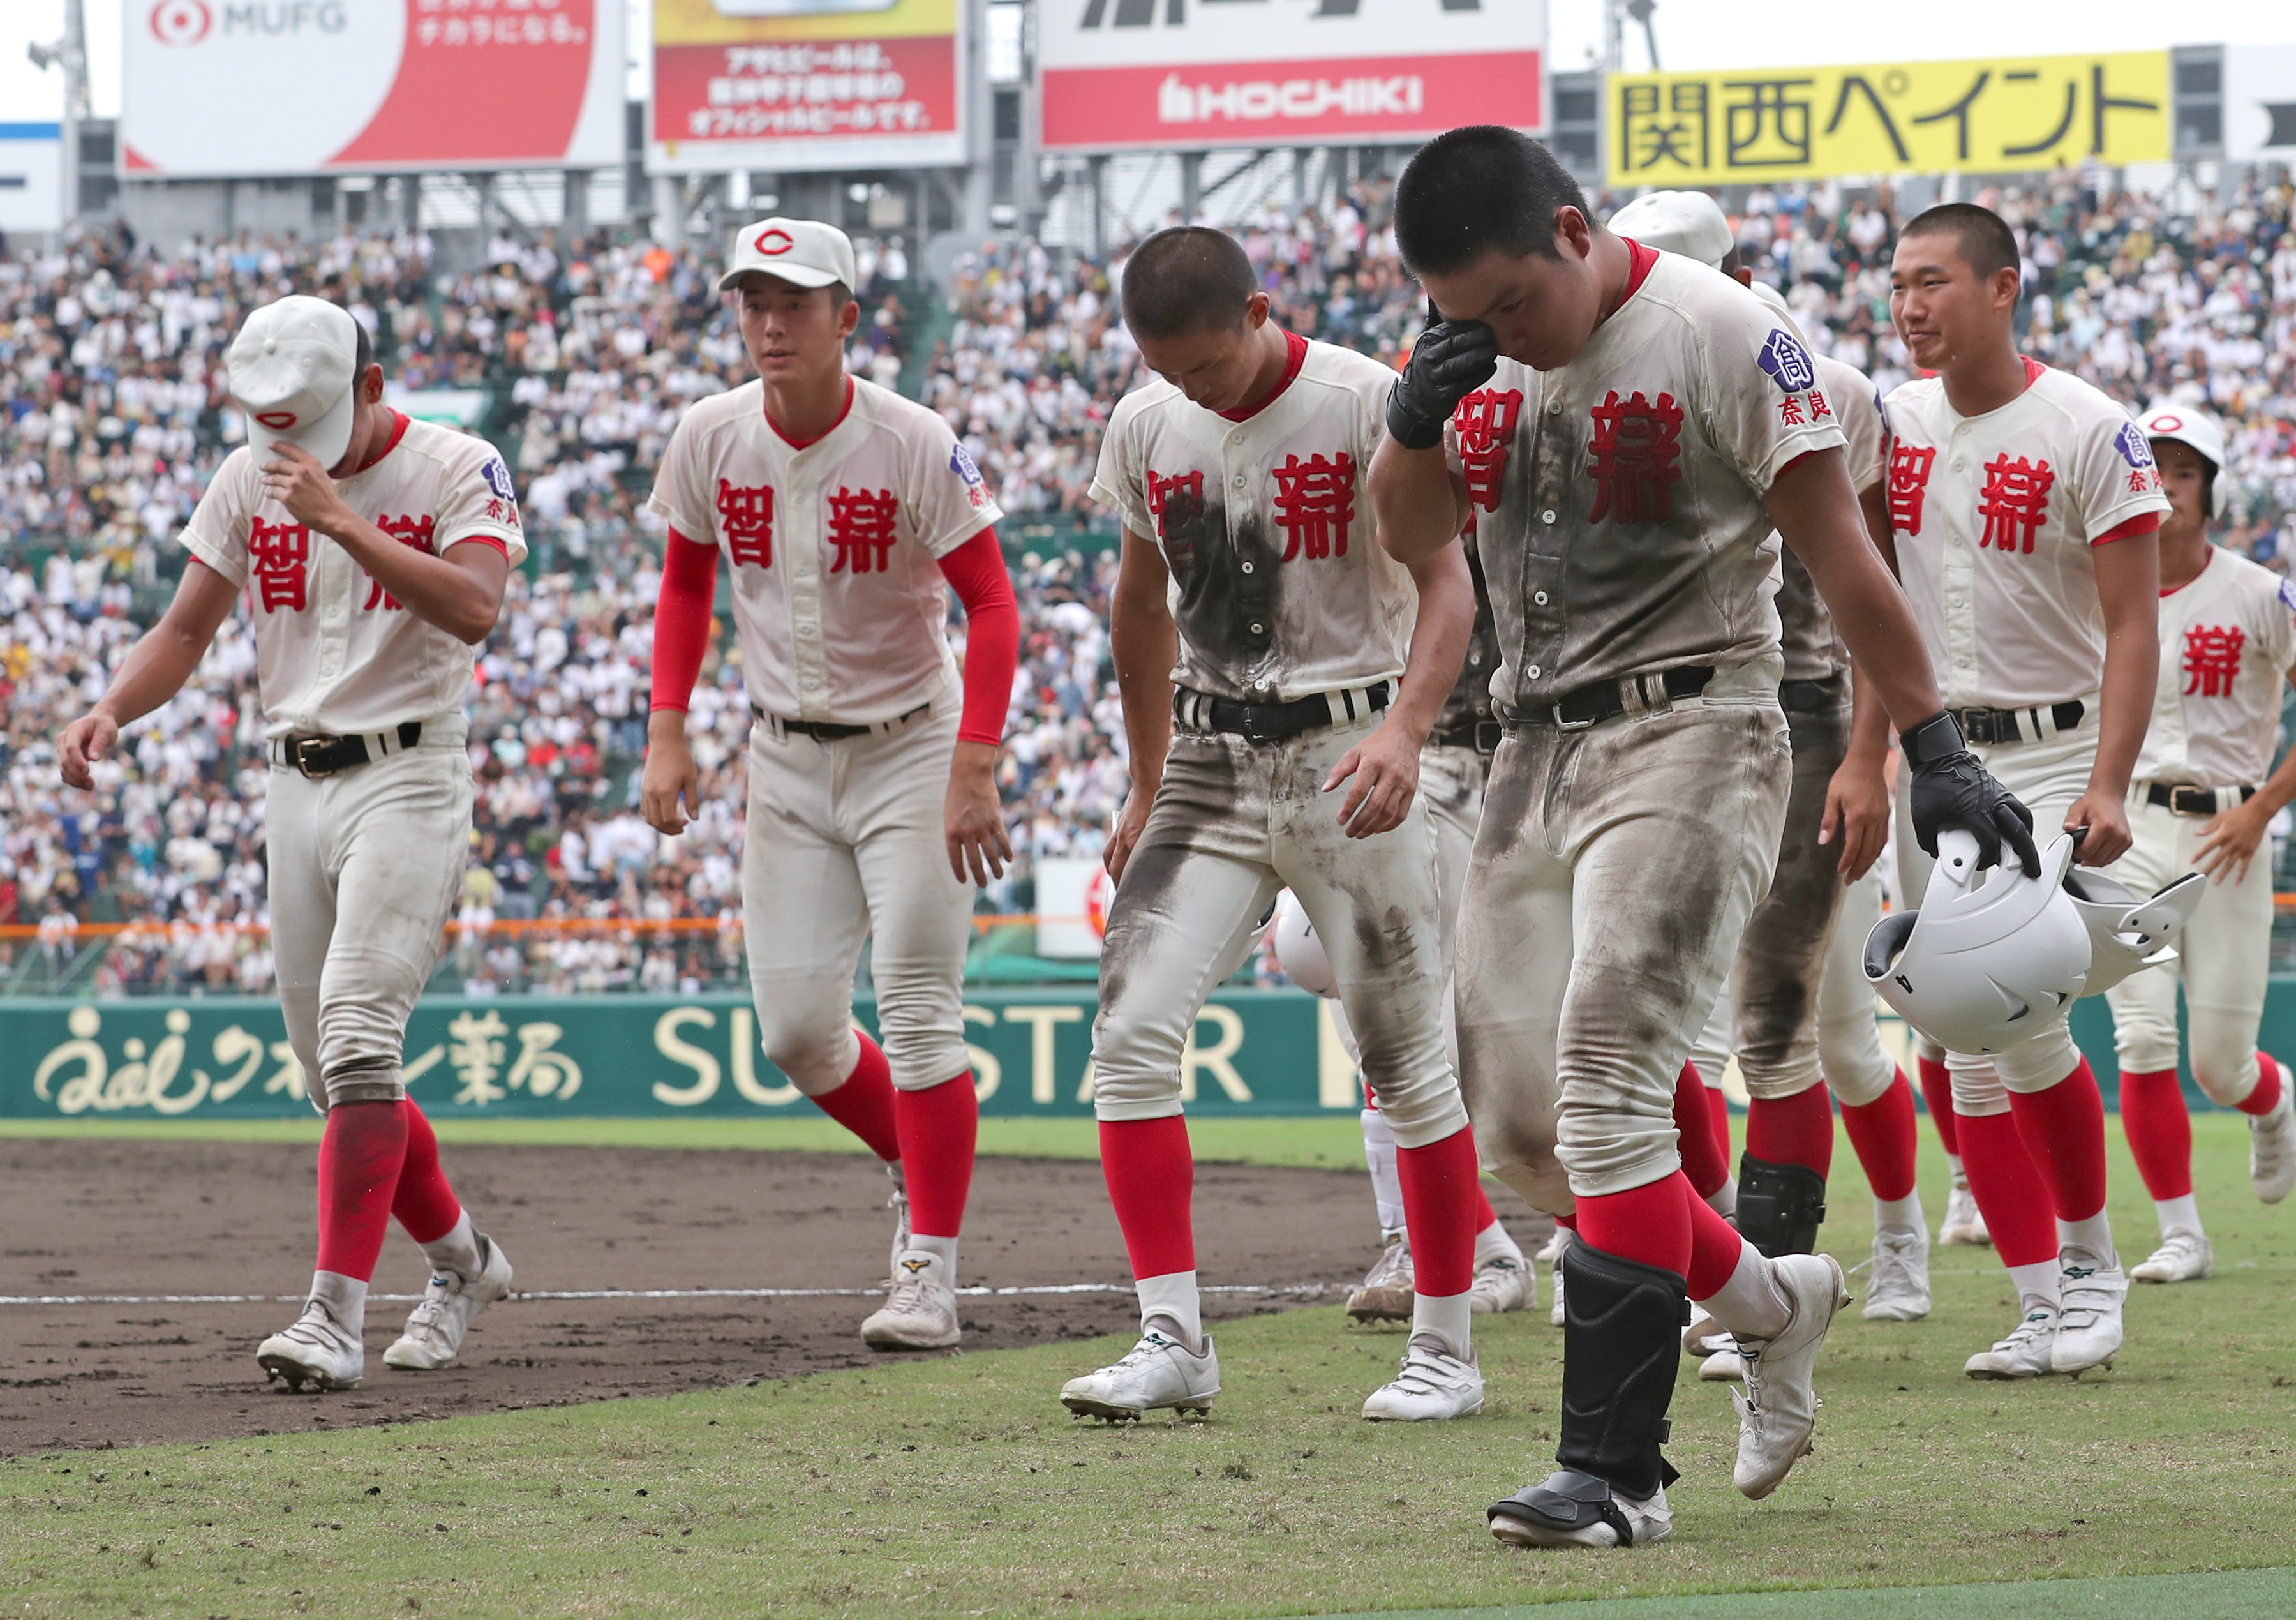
<point x="2106" y="817"/>
<point x="1451" y="360"/>
<point x="294" y="478"/>
<point x="1385" y="766"/>
<point x="974" y="817"/>
<point x="669" y="777"/>
<point x="2229" y="842"/>
<point x="1131" y="822"/>
<point x="1956" y="791"/>
<point x="1857" y="817"/>
<point x="84" y="742"/>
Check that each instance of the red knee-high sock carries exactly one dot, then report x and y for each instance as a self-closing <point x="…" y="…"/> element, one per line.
<point x="2063" y="1128"/>
<point x="1152" y="1176"/>
<point x="2160" y="1131"/>
<point x="1714" y="1248"/>
<point x="426" y="1203"/>
<point x="2009" y="1191"/>
<point x="1797" y="1130"/>
<point x="1442" y="1193"/>
<point x="2265" y="1097"/>
<point x="1485" y="1215"/>
<point x="937" y="1127"/>
<point x="1706" y="1169"/>
<point x="1882" y="1133"/>
<point x="359" y="1158"/>
<point x="1717" y="1116"/>
<point x="1937" y="1094"/>
<point x="1649" y="1224"/>
<point x="863" y="1103"/>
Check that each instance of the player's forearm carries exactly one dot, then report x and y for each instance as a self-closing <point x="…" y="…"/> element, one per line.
<point x="1877" y="623"/>
<point x="1869" y="724"/>
<point x="2278" y="788"/>
<point x="154" y="671"/>
<point x="2132" y="669"/>
<point x="1419" y="508"/>
<point x="1144" y="653"/>
<point x="435" y="591"/>
<point x="1439" y="641"/>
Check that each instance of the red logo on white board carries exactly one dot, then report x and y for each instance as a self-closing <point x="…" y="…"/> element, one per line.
<point x="180" y="22"/>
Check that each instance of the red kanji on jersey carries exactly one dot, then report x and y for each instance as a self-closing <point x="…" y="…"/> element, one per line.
<point x="2212" y="659"/>
<point x="1789" y="411"/>
<point x="1909" y="483"/>
<point x="2142" y="479"/>
<point x="1315" y="500"/>
<point x="1632" y="458"/>
<point x="413" y="532"/>
<point x="1817" y="405"/>
<point x="861" y="528"/>
<point x="2014" y="504"/>
<point x="1163" y="486"/>
<point x="1485" y="423"/>
<point x="277" y="554"/>
<point x="746" y="512"/>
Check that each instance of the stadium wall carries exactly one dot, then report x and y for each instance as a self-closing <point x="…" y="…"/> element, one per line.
<point x="1254" y="1052"/>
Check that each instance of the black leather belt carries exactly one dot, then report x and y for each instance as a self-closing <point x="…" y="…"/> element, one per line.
<point x="327" y="756"/>
<point x="2183" y="799"/>
<point x="1996" y="725"/>
<point x="1604" y="700"/>
<point x="831" y="731"/>
<point x="1810" y="696"/>
<point x="1274" y="722"/>
<point x="1481" y="736"/>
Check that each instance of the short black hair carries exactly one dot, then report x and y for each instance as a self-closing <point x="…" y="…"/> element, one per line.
<point x="1986" y="242"/>
<point x="362" y="350"/>
<point x="1480" y="189"/>
<point x="1187" y="278"/>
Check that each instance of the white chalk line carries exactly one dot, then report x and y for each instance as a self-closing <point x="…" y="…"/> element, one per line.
<point x="975" y="1292"/>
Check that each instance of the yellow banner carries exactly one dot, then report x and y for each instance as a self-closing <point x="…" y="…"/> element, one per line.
<point x="1992" y="116"/>
<point x="752" y="21"/>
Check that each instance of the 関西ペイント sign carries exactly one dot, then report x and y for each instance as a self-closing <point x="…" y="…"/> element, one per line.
<point x="1986" y="116"/>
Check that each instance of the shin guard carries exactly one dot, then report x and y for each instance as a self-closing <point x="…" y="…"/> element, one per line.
<point x="1621" y="1346"/>
<point x="1780" y="1206"/>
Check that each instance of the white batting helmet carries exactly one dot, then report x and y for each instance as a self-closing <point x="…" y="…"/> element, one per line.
<point x="2126" y="934"/>
<point x="1991" y="958"/>
<point x="2189" y="425"/>
<point x="1689" y="223"/>
<point x="1300" y="950"/>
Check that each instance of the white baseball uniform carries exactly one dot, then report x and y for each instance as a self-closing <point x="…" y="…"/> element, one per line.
<point x="1619" y="861"/>
<point x="1995" y="518"/>
<point x="1282" y="593"/>
<point x="2227" y="644"/>
<point x="841" y="609"/>
<point x="365" y="864"/>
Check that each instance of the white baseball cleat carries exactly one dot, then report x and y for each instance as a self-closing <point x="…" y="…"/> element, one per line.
<point x="1158" y="1372"/>
<point x="1553" y="1254"/>
<point x="1386" y="1294"/>
<point x="435" y="1328"/>
<point x="1778" y="1412"/>
<point x="920" y="1308"/>
<point x="317" y="1350"/>
<point x="2024" y="1353"/>
<point x="1898" y="1283"/>
<point x="1521" y="1521"/>
<point x="1502" y="1283"/>
<point x="1434" y="1384"/>
<point x="2272" y="1144"/>
<point x="1964" y="1223"/>
<point x="1725" y="1366"/>
<point x="2182" y="1257"/>
<point x="2088" y="1323"/>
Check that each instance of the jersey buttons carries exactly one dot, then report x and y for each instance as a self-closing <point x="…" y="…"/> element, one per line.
<point x="1247" y="567"/>
<point x="1532" y="672"/>
<point x="1546" y="516"/>
<point x="1539" y="597"/>
<point x="1239" y="480"/>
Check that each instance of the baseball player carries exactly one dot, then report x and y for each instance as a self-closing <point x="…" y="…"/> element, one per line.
<point x="844" y="512"/>
<point x="373" y="551"/>
<point x="1661" y="423"/>
<point x="2024" y="506"/>
<point x="1269" y="656"/>
<point x="2200" y="800"/>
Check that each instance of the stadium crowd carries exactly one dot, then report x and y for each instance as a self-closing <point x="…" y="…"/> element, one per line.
<point x="113" y="415"/>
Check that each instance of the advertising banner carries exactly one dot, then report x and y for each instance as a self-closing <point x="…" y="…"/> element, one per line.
<point x="31" y="177"/>
<point x="2260" y="102"/>
<point x="216" y="87"/>
<point x="784" y="85"/>
<point x="1988" y="116"/>
<point x="1165" y="73"/>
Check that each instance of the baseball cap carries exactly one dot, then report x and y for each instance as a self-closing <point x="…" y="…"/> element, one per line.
<point x="1688" y="223"/>
<point x="293" y="369"/>
<point x="802" y="252"/>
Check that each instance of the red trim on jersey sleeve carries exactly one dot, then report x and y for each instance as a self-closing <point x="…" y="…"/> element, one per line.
<point x="1644" y="261"/>
<point x="397" y="433"/>
<point x="680" y="620"/>
<point x="1295" y="355"/>
<point x="1796" y="462"/>
<point x="495" y="540"/>
<point x="843" y="411"/>
<point x="2144" y="522"/>
<point x="992" y="634"/>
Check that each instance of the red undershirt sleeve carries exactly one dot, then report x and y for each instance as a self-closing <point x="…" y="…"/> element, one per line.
<point x="681" y="619"/>
<point x="2144" y="522"/>
<point x="992" y="634"/>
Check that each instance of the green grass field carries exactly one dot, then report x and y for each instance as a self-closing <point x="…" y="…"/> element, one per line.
<point x="957" y="1486"/>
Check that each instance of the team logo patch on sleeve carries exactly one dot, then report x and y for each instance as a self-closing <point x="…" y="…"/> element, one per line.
<point x="961" y="463"/>
<point x="498" y="477"/>
<point x="1788" y="362"/>
<point x="2133" y="448"/>
<point x="2288" y="595"/>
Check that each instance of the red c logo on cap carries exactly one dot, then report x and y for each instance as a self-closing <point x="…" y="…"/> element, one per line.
<point x="2166" y="423"/>
<point x="774" y="242"/>
<point x="278" y="422"/>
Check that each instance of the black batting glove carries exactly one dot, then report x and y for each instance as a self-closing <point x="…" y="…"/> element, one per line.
<point x="1951" y="789"/>
<point x="1451" y="360"/>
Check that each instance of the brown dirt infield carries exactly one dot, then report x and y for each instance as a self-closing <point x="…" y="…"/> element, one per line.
<point x="116" y="1217"/>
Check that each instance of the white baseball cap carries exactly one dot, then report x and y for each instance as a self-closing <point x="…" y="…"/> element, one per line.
<point x="802" y="252"/>
<point x="1688" y="223"/>
<point x="294" y="370"/>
